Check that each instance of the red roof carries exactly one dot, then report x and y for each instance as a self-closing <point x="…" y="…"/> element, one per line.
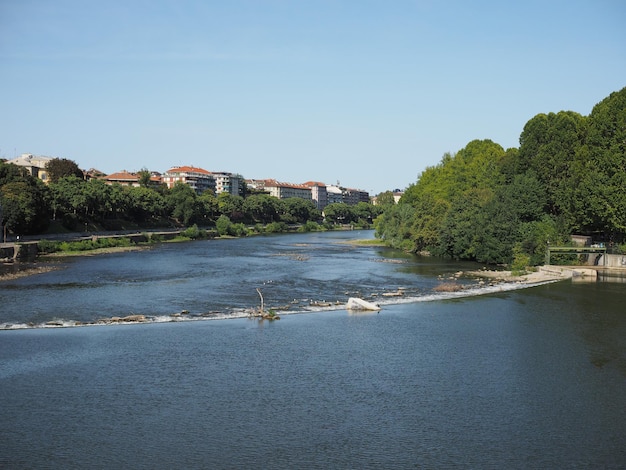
<point x="122" y="176"/>
<point x="188" y="169"/>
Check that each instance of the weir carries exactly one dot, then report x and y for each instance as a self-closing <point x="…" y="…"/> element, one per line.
<point x="578" y="250"/>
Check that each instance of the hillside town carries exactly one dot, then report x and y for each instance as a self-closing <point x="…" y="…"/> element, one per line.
<point x="201" y="180"/>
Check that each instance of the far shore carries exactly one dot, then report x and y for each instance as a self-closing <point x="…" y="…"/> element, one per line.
<point x="541" y="275"/>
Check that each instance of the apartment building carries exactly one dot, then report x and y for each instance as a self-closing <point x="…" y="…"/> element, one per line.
<point x="198" y="178"/>
<point x="228" y="183"/>
<point x="281" y="190"/>
<point x="319" y="194"/>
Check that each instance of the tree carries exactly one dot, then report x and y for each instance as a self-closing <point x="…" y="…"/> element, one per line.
<point x="298" y="210"/>
<point x="231" y="206"/>
<point x="385" y="199"/>
<point x="58" y="168"/>
<point x="10" y="173"/>
<point x="600" y="195"/>
<point x="145" y="204"/>
<point x="24" y="208"/>
<point x="68" y="196"/>
<point x="144" y="178"/>
<point x="182" y="202"/>
<point x="209" y="205"/>
<point x="338" y="213"/>
<point x="257" y="208"/>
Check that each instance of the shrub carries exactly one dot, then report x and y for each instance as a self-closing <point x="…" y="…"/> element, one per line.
<point x="276" y="227"/>
<point x="193" y="232"/>
<point x="47" y="246"/>
<point x="310" y="226"/>
<point x="520" y="262"/>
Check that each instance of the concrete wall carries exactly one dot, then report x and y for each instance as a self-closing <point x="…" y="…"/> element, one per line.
<point x="613" y="261"/>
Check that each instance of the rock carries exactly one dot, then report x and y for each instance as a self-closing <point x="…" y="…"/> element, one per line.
<point x="134" y="318"/>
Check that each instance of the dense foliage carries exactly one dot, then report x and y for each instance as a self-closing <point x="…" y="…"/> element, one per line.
<point x="492" y="205"/>
<point x="28" y="206"/>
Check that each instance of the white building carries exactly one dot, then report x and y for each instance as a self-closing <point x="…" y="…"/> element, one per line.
<point x="228" y="183"/>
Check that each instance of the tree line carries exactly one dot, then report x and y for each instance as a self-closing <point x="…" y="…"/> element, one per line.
<point x="69" y="202"/>
<point x="491" y="205"/>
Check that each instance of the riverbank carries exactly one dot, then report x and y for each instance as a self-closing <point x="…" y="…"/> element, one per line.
<point x="541" y="275"/>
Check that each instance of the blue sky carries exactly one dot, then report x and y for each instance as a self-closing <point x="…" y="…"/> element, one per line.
<point x="367" y="93"/>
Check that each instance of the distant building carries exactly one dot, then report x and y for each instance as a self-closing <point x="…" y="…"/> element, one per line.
<point x="281" y="190"/>
<point x="126" y="178"/>
<point x="198" y="178"/>
<point x="123" y="178"/>
<point x="338" y="194"/>
<point x="93" y="173"/>
<point x="354" y="196"/>
<point x="319" y="194"/>
<point x="35" y="165"/>
<point x="334" y="194"/>
<point x="228" y="183"/>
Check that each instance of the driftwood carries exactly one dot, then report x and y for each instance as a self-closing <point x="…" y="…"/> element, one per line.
<point x="271" y="315"/>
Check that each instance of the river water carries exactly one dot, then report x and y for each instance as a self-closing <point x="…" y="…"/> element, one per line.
<point x="491" y="377"/>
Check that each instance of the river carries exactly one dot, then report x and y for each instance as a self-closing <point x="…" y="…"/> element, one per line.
<point x="489" y="377"/>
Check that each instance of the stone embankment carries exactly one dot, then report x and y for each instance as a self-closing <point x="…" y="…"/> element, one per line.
<point x="543" y="274"/>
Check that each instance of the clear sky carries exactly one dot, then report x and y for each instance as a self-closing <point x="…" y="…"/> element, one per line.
<point x="365" y="92"/>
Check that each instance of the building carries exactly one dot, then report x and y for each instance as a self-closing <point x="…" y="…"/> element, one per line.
<point x="319" y="194"/>
<point x="123" y="178"/>
<point x="352" y="197"/>
<point x="228" y="183"/>
<point x="334" y="194"/>
<point x="199" y="179"/>
<point x="281" y="190"/>
<point x="35" y="165"/>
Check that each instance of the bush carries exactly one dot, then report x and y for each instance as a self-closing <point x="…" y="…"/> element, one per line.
<point x="193" y="232"/>
<point x="48" y="246"/>
<point x="276" y="227"/>
<point x="238" y="230"/>
<point x="223" y="225"/>
<point x="310" y="226"/>
<point x="520" y="262"/>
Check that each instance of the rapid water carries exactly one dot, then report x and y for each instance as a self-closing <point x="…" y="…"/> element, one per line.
<point x="528" y="378"/>
<point x="220" y="278"/>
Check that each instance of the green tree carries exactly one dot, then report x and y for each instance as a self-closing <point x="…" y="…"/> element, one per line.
<point x="58" y="168"/>
<point x="146" y="204"/>
<point x="296" y="210"/>
<point x="338" y="213"/>
<point x="260" y="208"/>
<point x="10" y="173"/>
<point x="209" y="206"/>
<point x="599" y="192"/>
<point x="183" y="205"/>
<point x="548" y="147"/>
<point x="385" y="199"/>
<point x="69" y="196"/>
<point x="24" y="208"/>
<point x="231" y="206"/>
<point x="145" y="178"/>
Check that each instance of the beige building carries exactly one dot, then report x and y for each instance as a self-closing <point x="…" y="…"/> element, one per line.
<point x="281" y="190"/>
<point x="35" y="165"/>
